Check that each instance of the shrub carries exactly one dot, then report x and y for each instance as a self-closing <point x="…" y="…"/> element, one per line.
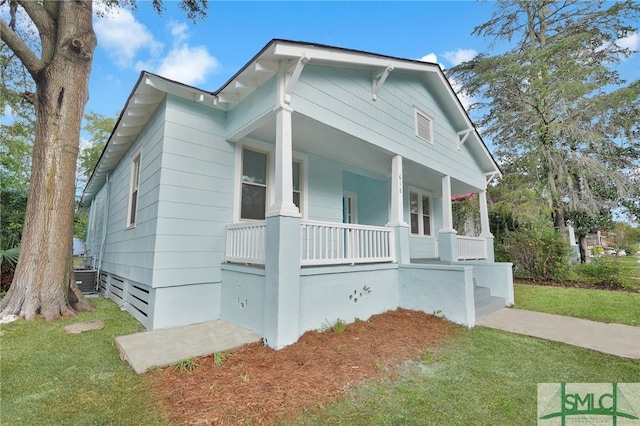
<point x="602" y="272"/>
<point x="539" y="253"/>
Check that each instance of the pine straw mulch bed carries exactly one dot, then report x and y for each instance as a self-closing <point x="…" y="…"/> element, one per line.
<point x="259" y="385"/>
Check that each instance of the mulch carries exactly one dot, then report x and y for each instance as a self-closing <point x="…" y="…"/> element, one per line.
<point x="259" y="385"/>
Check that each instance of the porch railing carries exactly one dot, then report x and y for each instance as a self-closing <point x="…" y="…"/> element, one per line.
<point x="321" y="243"/>
<point x="246" y="242"/>
<point x="332" y="243"/>
<point x="471" y="248"/>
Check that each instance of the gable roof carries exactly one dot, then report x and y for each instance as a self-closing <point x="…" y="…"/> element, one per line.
<point x="150" y="90"/>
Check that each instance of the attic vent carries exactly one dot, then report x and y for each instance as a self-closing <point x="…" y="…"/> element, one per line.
<point x="424" y="126"/>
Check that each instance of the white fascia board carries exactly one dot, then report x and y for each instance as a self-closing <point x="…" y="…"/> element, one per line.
<point x="328" y="55"/>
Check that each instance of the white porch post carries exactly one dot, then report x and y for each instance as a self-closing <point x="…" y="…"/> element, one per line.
<point x="447" y="215"/>
<point x="397" y="202"/>
<point x="282" y="257"/>
<point x="283" y="188"/>
<point x="447" y="243"/>
<point x="396" y="219"/>
<point x="485" y="230"/>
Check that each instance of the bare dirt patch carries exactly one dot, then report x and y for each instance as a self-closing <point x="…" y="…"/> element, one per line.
<point x="263" y="386"/>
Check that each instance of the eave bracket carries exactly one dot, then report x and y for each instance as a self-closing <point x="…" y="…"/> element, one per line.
<point x="463" y="135"/>
<point x="378" y="80"/>
<point x="295" y="75"/>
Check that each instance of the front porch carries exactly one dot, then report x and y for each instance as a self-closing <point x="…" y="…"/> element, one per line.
<point x="330" y="243"/>
<point x="346" y="271"/>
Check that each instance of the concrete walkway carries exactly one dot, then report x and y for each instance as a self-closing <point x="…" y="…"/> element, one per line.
<point x="159" y="348"/>
<point x="615" y="339"/>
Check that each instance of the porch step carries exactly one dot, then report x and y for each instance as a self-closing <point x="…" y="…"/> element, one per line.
<point x="486" y="303"/>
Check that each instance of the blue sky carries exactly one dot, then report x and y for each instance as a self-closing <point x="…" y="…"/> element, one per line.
<point x="210" y="52"/>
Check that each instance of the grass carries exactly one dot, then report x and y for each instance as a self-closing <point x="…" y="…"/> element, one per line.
<point x="481" y="377"/>
<point x="597" y="305"/>
<point x="631" y="266"/>
<point x="53" y="378"/>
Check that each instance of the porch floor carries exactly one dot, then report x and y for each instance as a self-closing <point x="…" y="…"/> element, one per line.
<point x="158" y="348"/>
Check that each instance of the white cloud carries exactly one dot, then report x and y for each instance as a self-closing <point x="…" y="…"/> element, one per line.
<point x="178" y="31"/>
<point x="459" y="56"/>
<point x="189" y="65"/>
<point x="430" y="57"/>
<point x="631" y="42"/>
<point x="124" y="37"/>
<point x="132" y="45"/>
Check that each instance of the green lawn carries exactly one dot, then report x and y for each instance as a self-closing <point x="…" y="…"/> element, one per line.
<point x="53" y="378"/>
<point x="597" y="305"/>
<point x="481" y="377"/>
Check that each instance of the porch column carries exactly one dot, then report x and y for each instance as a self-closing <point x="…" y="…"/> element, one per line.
<point x="282" y="282"/>
<point x="283" y="188"/>
<point x="485" y="230"/>
<point x="396" y="219"/>
<point x="447" y="244"/>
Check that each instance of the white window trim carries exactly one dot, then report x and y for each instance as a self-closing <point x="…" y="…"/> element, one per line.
<point x="418" y="112"/>
<point x="421" y="193"/>
<point x="269" y="150"/>
<point x="135" y="156"/>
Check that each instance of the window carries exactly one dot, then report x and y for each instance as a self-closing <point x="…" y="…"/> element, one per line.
<point x="420" y="211"/>
<point x="424" y="126"/>
<point x="133" y="192"/>
<point x="255" y="184"/>
<point x="297" y="192"/>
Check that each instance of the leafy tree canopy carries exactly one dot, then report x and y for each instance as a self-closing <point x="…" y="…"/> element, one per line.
<point x="558" y="113"/>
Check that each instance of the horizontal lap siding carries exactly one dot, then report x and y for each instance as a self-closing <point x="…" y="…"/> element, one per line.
<point x="129" y="252"/>
<point x="325" y="189"/>
<point x="342" y="98"/>
<point x="196" y="197"/>
<point x="259" y="102"/>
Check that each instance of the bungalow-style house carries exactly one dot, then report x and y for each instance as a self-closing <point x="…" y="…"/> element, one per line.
<point x="315" y="185"/>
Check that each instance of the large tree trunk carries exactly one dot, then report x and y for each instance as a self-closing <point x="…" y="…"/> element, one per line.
<point x="42" y="279"/>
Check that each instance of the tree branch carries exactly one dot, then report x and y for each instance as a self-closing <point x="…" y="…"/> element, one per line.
<point x="20" y="48"/>
<point x="45" y="24"/>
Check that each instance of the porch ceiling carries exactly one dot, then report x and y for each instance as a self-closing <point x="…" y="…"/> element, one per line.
<point x="313" y="137"/>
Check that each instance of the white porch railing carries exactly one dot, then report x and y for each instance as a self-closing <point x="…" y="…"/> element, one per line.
<point x="332" y="243"/>
<point x="246" y="242"/>
<point x="471" y="248"/>
<point x="321" y="243"/>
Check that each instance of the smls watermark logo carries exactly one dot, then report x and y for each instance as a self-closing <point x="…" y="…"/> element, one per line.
<point x="614" y="404"/>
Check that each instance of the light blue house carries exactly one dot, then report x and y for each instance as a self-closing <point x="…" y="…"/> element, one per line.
<point x="315" y="185"/>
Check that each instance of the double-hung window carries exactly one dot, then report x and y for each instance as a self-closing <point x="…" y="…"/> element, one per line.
<point x="133" y="191"/>
<point x="255" y="184"/>
<point x="420" y="211"/>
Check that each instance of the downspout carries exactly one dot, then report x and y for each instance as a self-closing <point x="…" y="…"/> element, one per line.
<point x="105" y="219"/>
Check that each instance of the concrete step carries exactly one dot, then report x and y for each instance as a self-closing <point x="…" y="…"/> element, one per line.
<point x="481" y="293"/>
<point x="488" y="305"/>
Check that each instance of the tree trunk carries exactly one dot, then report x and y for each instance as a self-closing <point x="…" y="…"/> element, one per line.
<point x="582" y="245"/>
<point x="42" y="280"/>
